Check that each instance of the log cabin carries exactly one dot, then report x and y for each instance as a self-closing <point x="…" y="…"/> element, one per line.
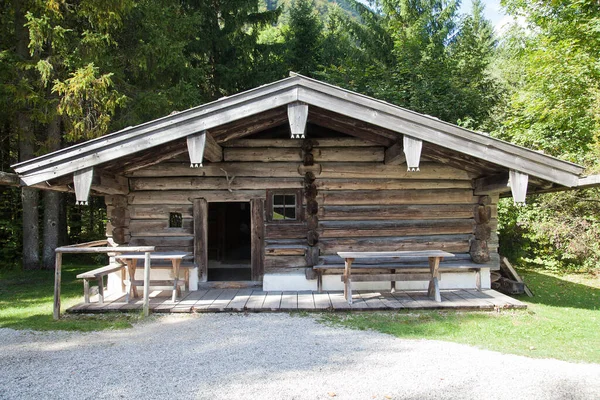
<point x="268" y="185"/>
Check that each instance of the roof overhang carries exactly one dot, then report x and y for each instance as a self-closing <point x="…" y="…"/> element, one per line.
<point x="315" y="94"/>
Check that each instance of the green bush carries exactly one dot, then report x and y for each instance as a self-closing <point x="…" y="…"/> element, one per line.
<point x="558" y="231"/>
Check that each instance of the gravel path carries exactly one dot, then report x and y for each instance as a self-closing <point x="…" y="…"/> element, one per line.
<point x="271" y="356"/>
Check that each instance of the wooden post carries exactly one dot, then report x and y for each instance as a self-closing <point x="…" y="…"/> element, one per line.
<point x="257" y="222"/>
<point x="434" y="286"/>
<point x="57" y="276"/>
<point x="146" y="284"/>
<point x="348" y="279"/>
<point x="200" y="212"/>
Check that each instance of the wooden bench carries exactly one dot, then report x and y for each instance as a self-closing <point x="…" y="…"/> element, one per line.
<point x="97" y="275"/>
<point x="416" y="270"/>
<point x="402" y="266"/>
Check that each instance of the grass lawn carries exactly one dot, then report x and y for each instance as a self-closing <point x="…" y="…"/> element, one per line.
<point x="562" y="321"/>
<point x="26" y="299"/>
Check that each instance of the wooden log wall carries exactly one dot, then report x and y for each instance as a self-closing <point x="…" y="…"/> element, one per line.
<point x="119" y="217"/>
<point x="352" y="201"/>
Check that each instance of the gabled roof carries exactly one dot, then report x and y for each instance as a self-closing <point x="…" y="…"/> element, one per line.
<point x="318" y="95"/>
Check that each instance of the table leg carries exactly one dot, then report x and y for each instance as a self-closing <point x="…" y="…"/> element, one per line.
<point x="348" y="279"/>
<point x="434" y="287"/>
<point x="131" y="266"/>
<point x="176" y="263"/>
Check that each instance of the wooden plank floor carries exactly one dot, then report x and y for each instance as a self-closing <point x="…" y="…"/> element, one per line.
<point x="254" y="300"/>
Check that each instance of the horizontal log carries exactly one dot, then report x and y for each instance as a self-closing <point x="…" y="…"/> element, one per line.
<point x="449" y="243"/>
<point x="330" y="229"/>
<point x="372" y="197"/>
<point x="284" y="261"/>
<point x="172" y="242"/>
<point x="158" y="211"/>
<point x="185" y="196"/>
<point x="141" y="227"/>
<point x="213" y="152"/>
<point x="388" y="277"/>
<point x="397" y="212"/>
<point x="285" y="242"/>
<point x="337" y="260"/>
<point x="348" y="154"/>
<point x="262" y="154"/>
<point x="271" y="169"/>
<point x="382" y="171"/>
<point x="285" y="231"/>
<point x="284" y="270"/>
<point x="285" y="250"/>
<point x="390" y="184"/>
<point x="206" y="183"/>
<point x="332" y="142"/>
<point x="98" y="250"/>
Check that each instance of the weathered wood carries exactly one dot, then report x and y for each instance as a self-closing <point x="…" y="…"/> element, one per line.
<point x="107" y="183"/>
<point x="272" y="262"/>
<point x="389" y="277"/>
<point x="507" y="267"/>
<point x="185" y="196"/>
<point x="213" y="183"/>
<point x="332" y="229"/>
<point x="412" y="150"/>
<point x="394" y="155"/>
<point x="348" y="154"/>
<point x="450" y="243"/>
<point x="97" y="250"/>
<point x="329" y="142"/>
<point x="142" y="227"/>
<point x="82" y="180"/>
<point x="382" y="171"/>
<point x="200" y="207"/>
<point x="257" y="218"/>
<point x="262" y="154"/>
<point x="483" y="214"/>
<point x="57" y="281"/>
<point x="479" y="250"/>
<point x="297" y="116"/>
<point x="159" y="211"/>
<point x="285" y="250"/>
<point x="492" y="184"/>
<point x="518" y="186"/>
<point x="336" y="170"/>
<point x="390" y="184"/>
<point x="285" y="231"/>
<point x="397" y="212"/>
<point x="429" y="196"/>
<point x="147" y="265"/>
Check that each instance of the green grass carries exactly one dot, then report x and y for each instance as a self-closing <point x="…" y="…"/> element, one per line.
<point x="26" y="299"/>
<point x="562" y="321"/>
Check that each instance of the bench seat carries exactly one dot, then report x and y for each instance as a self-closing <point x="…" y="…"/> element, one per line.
<point x="410" y="271"/>
<point x="98" y="275"/>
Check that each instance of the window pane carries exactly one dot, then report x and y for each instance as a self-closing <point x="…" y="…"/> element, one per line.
<point x="290" y="213"/>
<point x="278" y="200"/>
<point x="175" y="220"/>
<point x="290" y="200"/>
<point x="278" y="213"/>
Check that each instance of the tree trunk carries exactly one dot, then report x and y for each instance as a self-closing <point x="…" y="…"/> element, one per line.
<point x="52" y="205"/>
<point x="29" y="196"/>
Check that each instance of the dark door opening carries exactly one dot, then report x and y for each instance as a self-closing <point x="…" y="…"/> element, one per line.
<point x="229" y="241"/>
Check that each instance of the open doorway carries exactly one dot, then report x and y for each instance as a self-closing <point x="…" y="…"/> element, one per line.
<point x="229" y="241"/>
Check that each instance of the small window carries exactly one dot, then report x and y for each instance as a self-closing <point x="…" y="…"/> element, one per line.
<point x="284" y="206"/>
<point x="175" y="220"/>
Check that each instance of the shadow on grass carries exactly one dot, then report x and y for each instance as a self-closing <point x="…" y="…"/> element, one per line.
<point x="553" y="291"/>
<point x="26" y="301"/>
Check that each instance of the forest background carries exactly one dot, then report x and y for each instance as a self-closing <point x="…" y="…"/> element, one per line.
<point x="74" y="70"/>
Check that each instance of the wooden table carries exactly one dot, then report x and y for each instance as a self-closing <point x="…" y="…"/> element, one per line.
<point x="434" y="256"/>
<point x="175" y="257"/>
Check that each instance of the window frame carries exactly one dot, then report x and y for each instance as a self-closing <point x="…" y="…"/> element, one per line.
<point x="285" y="192"/>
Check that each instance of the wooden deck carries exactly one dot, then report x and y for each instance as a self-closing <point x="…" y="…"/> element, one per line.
<point x="253" y="300"/>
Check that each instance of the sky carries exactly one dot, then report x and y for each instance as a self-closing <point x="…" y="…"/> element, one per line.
<point x="492" y="11"/>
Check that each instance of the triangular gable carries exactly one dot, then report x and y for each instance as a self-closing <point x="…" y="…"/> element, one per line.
<point x="291" y="91"/>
